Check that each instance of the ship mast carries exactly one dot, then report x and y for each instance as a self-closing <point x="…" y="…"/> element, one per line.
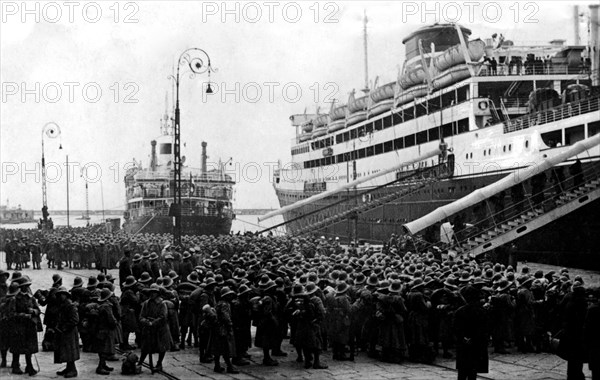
<point x="366" y="88"/>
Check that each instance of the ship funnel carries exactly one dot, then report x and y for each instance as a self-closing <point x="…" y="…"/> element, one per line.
<point x="204" y="157"/>
<point x="153" y="155"/>
<point x="594" y="45"/>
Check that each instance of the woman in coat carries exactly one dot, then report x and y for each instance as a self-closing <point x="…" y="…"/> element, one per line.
<point x="156" y="337"/>
<point x="470" y="323"/>
<point x="223" y="342"/>
<point x="66" y="336"/>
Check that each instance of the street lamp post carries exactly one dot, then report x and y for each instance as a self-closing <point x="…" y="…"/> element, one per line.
<point x="52" y="130"/>
<point x="198" y="62"/>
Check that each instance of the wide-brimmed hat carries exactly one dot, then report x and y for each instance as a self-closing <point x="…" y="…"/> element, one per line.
<point x="153" y="256"/>
<point x="269" y="285"/>
<point x="77" y="282"/>
<point x="13" y="290"/>
<point x="360" y="279"/>
<point x="525" y="281"/>
<point x="465" y="277"/>
<point x="105" y="294"/>
<point x="417" y="284"/>
<point x="167" y="282"/>
<point x="341" y="288"/>
<point x="310" y="288"/>
<point x="226" y="291"/>
<point x="62" y="290"/>
<point x="168" y="256"/>
<point x="298" y="290"/>
<point x="15" y="275"/>
<point x="56" y="279"/>
<point x="395" y="286"/>
<point x="153" y="288"/>
<point x="129" y="281"/>
<point x="137" y="258"/>
<point x="92" y="282"/>
<point x="186" y="255"/>
<point x="193" y="278"/>
<point x="450" y="282"/>
<point x="214" y="254"/>
<point x="243" y="289"/>
<point x="373" y="280"/>
<point x="174" y="276"/>
<point x="145" y="278"/>
<point x="23" y="281"/>
<point x="502" y="285"/>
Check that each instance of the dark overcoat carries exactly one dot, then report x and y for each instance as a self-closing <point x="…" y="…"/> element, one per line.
<point x="267" y="325"/>
<point x="106" y="324"/>
<point x="592" y="336"/>
<point x="156" y="336"/>
<point x="24" y="314"/>
<point x="223" y="342"/>
<point x="66" y="338"/>
<point x="470" y="323"/>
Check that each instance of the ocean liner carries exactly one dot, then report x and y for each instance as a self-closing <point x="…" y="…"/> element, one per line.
<point x="206" y="207"/>
<point x="462" y="115"/>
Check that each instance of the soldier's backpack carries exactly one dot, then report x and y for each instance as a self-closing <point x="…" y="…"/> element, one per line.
<point x="130" y="366"/>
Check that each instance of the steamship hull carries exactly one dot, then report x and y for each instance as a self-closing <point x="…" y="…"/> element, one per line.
<point x="190" y="225"/>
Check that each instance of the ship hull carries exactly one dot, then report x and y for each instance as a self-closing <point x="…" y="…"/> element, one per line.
<point x="571" y="240"/>
<point x="190" y="225"/>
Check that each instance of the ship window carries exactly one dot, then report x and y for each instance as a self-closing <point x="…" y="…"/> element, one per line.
<point x="504" y="148"/>
<point x="471" y="156"/>
<point x="526" y="143"/>
<point x="484" y="152"/>
<point x="387" y="122"/>
<point x="574" y="134"/>
<point x="463" y="126"/>
<point x="353" y="134"/>
<point x="165" y="148"/>
<point x="362" y="153"/>
<point x="447" y="130"/>
<point x="409" y="141"/>
<point x="462" y="94"/>
<point x="388" y="146"/>
<point x="422" y="137"/>
<point x="552" y="139"/>
<point x="397" y="118"/>
<point x="509" y="147"/>
<point x="434" y="134"/>
<point x="370" y="151"/>
<point x="378" y="124"/>
<point x="593" y="128"/>
<point x="378" y="148"/>
<point x="368" y="128"/>
<point x="467" y="156"/>
<point x="399" y="143"/>
<point x="489" y="152"/>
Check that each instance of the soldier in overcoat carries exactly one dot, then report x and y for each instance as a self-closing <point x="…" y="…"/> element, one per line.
<point x="106" y="324"/>
<point x="156" y="337"/>
<point x="24" y="315"/>
<point x="66" y="335"/>
<point x="223" y="341"/>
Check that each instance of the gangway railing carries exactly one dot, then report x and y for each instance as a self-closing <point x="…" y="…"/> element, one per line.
<point x="336" y="212"/>
<point x="534" y="212"/>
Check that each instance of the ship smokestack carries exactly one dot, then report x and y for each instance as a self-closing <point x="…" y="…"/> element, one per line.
<point x="594" y="45"/>
<point x="576" y="25"/>
<point x="153" y="155"/>
<point x="204" y="157"/>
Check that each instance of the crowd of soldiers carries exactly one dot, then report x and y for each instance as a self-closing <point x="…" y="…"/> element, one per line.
<point x="209" y="293"/>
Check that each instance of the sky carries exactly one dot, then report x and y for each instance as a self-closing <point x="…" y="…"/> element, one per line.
<point x="100" y="71"/>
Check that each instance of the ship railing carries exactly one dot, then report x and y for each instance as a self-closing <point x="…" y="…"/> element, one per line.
<point x="561" y="112"/>
<point x="554" y="69"/>
<point x="515" y="102"/>
<point x="195" y="211"/>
